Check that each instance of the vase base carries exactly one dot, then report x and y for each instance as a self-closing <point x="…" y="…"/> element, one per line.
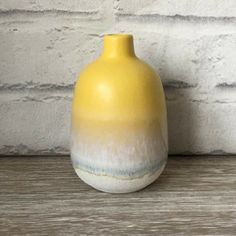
<point x="115" y="185"/>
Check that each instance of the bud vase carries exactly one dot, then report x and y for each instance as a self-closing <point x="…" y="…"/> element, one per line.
<point x="119" y="126"/>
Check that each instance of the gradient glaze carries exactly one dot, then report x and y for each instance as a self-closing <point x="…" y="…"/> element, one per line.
<point x="119" y="128"/>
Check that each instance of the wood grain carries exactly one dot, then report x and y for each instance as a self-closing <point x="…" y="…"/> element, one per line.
<point x="43" y="196"/>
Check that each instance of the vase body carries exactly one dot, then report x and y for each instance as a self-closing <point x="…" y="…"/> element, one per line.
<point x="119" y="126"/>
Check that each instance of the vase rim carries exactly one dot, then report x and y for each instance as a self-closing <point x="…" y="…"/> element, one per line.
<point x="119" y="35"/>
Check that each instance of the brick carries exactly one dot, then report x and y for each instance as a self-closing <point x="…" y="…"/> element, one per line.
<point x="202" y="8"/>
<point x="40" y="53"/>
<point x="131" y="6"/>
<point x="29" y="127"/>
<point x="217" y="66"/>
<point x="200" y="127"/>
<point x="88" y="6"/>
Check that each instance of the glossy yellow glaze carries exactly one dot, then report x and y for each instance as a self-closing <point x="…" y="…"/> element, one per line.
<point x="118" y="86"/>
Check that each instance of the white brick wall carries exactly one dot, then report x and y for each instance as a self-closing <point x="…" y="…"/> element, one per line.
<point x="45" y="44"/>
<point x="205" y="8"/>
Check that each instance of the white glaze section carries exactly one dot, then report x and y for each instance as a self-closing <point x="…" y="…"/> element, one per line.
<point x="119" y="161"/>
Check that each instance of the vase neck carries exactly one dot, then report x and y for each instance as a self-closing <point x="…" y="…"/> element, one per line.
<point x="118" y="45"/>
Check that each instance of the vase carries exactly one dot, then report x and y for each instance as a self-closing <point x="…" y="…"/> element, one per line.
<point x="119" y="126"/>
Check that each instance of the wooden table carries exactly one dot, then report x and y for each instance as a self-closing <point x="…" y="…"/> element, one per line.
<point x="43" y="196"/>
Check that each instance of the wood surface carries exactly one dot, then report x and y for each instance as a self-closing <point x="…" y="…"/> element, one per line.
<point x="43" y="196"/>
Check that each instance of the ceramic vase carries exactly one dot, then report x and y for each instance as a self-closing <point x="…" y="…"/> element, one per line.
<point x="119" y="126"/>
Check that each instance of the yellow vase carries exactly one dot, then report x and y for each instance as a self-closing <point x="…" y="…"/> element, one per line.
<point x="119" y="126"/>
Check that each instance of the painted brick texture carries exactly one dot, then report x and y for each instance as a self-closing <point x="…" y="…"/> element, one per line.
<point x="45" y="44"/>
